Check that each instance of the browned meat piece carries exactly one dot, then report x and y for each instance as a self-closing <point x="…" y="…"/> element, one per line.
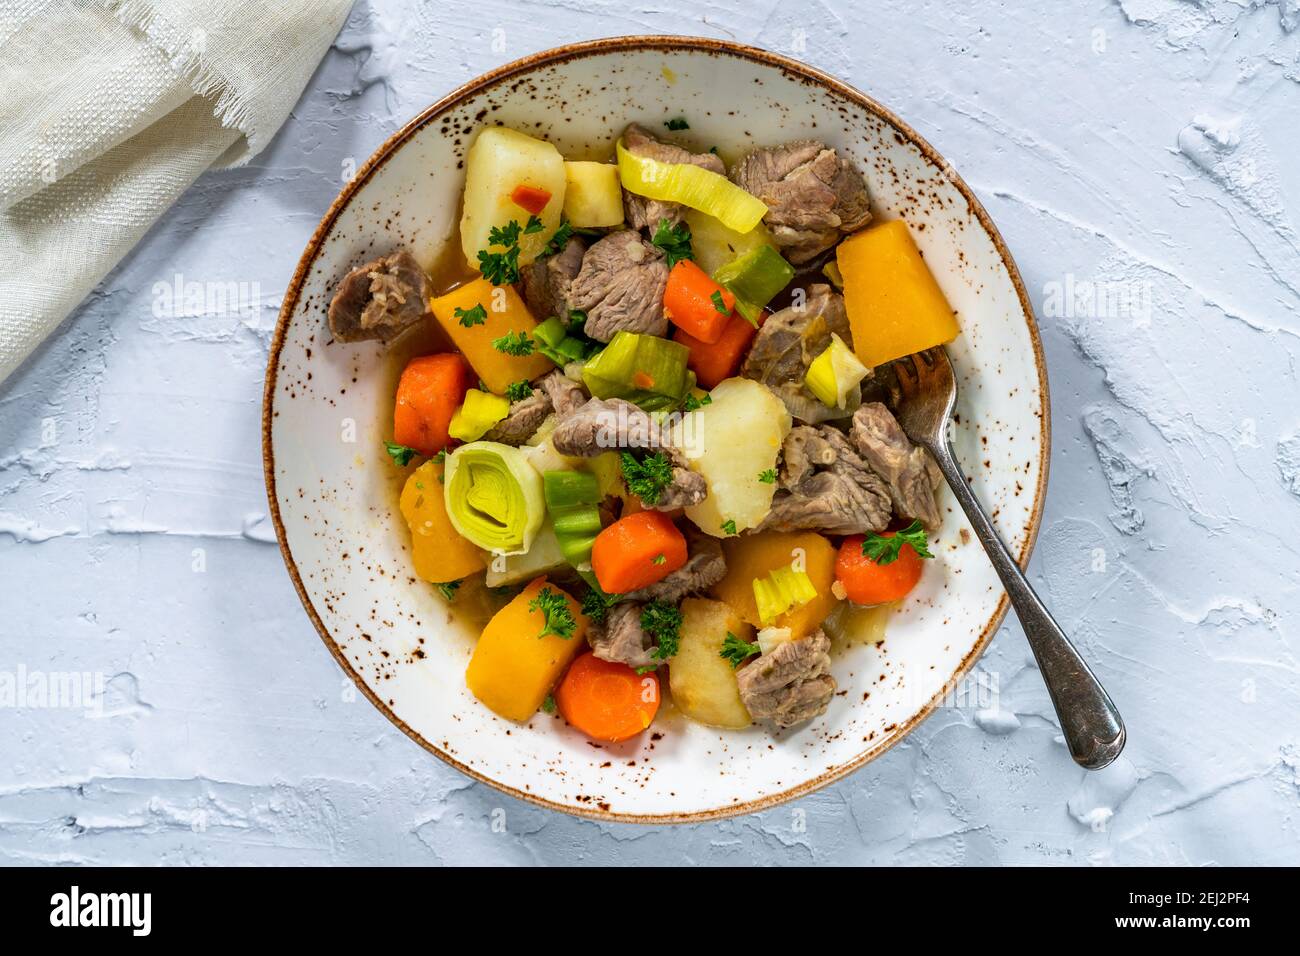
<point x="546" y="281"/>
<point x="526" y="416"/>
<point x="705" y="567"/>
<point x="813" y="197"/>
<point x="805" y="450"/>
<point x="379" y="299"/>
<point x="642" y="213"/>
<point x="908" y="471"/>
<point x="566" y="395"/>
<point x="828" y="487"/>
<point x="621" y="287"/>
<point x="786" y="345"/>
<point x="790" y="685"/>
<point x="616" y="425"/>
<point x="621" y="638"/>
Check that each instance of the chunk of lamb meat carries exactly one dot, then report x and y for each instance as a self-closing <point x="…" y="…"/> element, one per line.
<point x="790" y="685"/>
<point x="379" y="299"/>
<point x="613" y="424"/>
<point x="827" y="487"/>
<point x="813" y="197"/>
<point x="566" y="395"/>
<point x="910" y="473"/>
<point x="643" y="213"/>
<point x="546" y="282"/>
<point x="621" y="287"/>
<point x="705" y="567"/>
<point x="621" y="639"/>
<point x="523" y="420"/>
<point x="786" y="345"/>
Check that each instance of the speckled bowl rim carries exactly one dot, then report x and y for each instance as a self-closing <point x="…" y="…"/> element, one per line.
<point x="560" y="55"/>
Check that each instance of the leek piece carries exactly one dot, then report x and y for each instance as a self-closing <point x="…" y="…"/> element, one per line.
<point x="477" y="414"/>
<point x="754" y="279"/>
<point x="644" y="369"/>
<point x="494" y="496"/>
<point x="551" y="332"/>
<point x="770" y="638"/>
<point x="572" y="498"/>
<point x="835" y="373"/>
<point x="543" y="555"/>
<point x="691" y="186"/>
<point x="564" y="489"/>
<point x="781" y="590"/>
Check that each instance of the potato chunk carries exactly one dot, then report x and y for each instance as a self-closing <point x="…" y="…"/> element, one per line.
<point x="732" y="441"/>
<point x="703" y="683"/>
<point x="593" y="195"/>
<point x="498" y="163"/>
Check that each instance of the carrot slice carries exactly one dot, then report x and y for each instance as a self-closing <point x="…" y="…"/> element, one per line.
<point x="714" y="361"/>
<point x="866" y="582"/>
<point x="608" y="702"/>
<point x="530" y="198"/>
<point x="636" y="551"/>
<point x="696" y="304"/>
<point x="429" y="392"/>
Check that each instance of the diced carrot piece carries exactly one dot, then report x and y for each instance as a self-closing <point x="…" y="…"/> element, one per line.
<point x="637" y="551"/>
<point x="866" y="582"/>
<point x="713" y="362"/>
<point x="607" y="701"/>
<point x="530" y="198"/>
<point x="429" y="392"/>
<point x="695" y="303"/>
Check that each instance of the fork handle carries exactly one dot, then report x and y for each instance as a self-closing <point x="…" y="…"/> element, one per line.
<point x="1092" y="726"/>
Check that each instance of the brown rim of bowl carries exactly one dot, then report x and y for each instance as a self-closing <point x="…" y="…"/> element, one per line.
<point x="560" y="55"/>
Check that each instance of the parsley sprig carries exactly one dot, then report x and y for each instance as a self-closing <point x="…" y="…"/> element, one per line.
<point x="520" y="390"/>
<point x="674" y="240"/>
<point x="884" y="550"/>
<point x="471" y="317"/>
<point x="559" y="240"/>
<point x="399" y="453"/>
<point x="555" y="609"/>
<point x="648" y="478"/>
<point x="663" y="623"/>
<point x="736" y="651"/>
<point x="767" y="476"/>
<point x="448" y="590"/>
<point x="502" y="268"/>
<point x="729" y="526"/>
<point x="596" y="605"/>
<point x="514" y="343"/>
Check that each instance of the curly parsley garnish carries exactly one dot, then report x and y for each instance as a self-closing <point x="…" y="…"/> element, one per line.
<point x="448" y="589"/>
<point x="596" y="605"/>
<point x="500" y="268"/>
<point x="735" y="651"/>
<point x="729" y="526"/>
<point x="663" y="623"/>
<point x="884" y="550"/>
<point x="692" y="403"/>
<point x="399" y="453"/>
<point x="514" y="343"/>
<point x="767" y="476"/>
<point x="647" y="479"/>
<point x="471" y="317"/>
<point x="520" y="390"/>
<point x="558" y="240"/>
<point x="555" y="608"/>
<point x="675" y="241"/>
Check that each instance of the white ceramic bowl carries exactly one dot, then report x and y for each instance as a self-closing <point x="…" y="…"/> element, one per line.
<point x="330" y="481"/>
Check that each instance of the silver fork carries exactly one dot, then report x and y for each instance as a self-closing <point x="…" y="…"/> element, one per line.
<point x="1092" y="726"/>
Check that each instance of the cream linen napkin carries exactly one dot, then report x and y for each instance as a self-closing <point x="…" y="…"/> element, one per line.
<point x="110" y="110"/>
